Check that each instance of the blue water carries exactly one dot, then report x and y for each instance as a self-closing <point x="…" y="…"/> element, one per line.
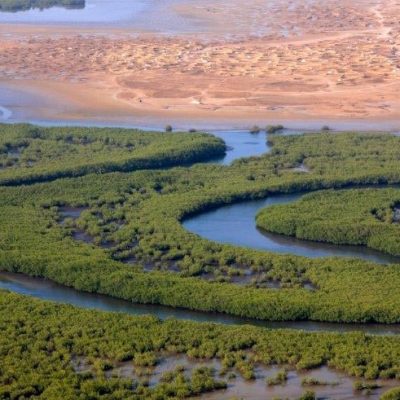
<point x="242" y="143"/>
<point x="235" y="224"/>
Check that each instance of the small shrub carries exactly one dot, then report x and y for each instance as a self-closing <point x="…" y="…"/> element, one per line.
<point x="311" y="381"/>
<point x="279" y="379"/>
<point x="255" y="129"/>
<point x="274" y="128"/>
<point x="148" y="359"/>
<point x="392" y="394"/>
<point x="308" y="396"/>
<point x="361" y="386"/>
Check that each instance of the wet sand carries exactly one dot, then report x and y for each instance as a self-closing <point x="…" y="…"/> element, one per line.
<point x="299" y="62"/>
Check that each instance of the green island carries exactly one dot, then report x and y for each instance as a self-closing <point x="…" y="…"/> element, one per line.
<point x="100" y="210"/>
<point x="31" y="154"/>
<point x="365" y="217"/>
<point x="23" y="5"/>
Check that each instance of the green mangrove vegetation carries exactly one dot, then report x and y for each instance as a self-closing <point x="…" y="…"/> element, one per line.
<point x="366" y="217"/>
<point x="31" y="154"/>
<point x="23" y="5"/>
<point x="93" y="209"/>
<point x="135" y="247"/>
<point x="51" y="351"/>
<point x="392" y="394"/>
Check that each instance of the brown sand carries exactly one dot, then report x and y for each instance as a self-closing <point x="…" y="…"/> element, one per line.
<point x="336" y="60"/>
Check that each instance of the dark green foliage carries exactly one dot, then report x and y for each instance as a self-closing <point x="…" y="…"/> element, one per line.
<point x="136" y="216"/>
<point x="31" y="154"/>
<point x="279" y="379"/>
<point x="357" y="217"/>
<point x="308" y="395"/>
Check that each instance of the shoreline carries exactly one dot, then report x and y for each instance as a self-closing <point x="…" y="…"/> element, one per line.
<point x="45" y="103"/>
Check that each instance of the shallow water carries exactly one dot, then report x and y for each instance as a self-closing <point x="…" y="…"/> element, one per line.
<point x="132" y="16"/>
<point x="293" y="389"/>
<point x="336" y="385"/>
<point x="5" y="113"/>
<point x="47" y="290"/>
<point x="242" y="143"/>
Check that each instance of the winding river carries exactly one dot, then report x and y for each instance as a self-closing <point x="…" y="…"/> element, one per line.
<point x="47" y="290"/>
<point x="234" y="224"/>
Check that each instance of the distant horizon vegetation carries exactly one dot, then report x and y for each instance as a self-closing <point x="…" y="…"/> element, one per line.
<point x="24" y="5"/>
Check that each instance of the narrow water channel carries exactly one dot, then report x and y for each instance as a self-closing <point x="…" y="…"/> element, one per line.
<point x="242" y="143"/>
<point x="47" y="290"/>
<point x="236" y="224"/>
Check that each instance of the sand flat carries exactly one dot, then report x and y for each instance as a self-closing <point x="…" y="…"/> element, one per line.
<point x="296" y="59"/>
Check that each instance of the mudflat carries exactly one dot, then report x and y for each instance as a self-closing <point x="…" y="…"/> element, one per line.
<point x="292" y="60"/>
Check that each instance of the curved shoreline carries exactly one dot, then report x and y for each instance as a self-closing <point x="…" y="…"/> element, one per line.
<point x="235" y="224"/>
